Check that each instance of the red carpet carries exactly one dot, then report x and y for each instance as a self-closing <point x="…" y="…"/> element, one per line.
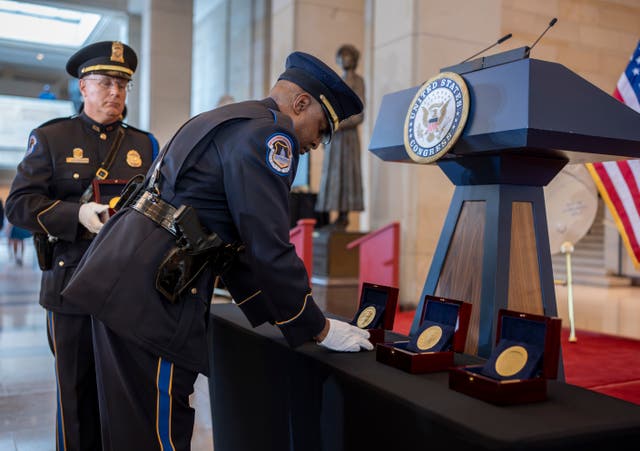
<point x="599" y="362"/>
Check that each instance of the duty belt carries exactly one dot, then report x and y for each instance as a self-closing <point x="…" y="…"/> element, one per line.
<point x="156" y="209"/>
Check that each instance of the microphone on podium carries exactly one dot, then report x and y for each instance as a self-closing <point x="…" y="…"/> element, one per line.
<point x="551" y="24"/>
<point x="509" y="56"/>
<point x="498" y="42"/>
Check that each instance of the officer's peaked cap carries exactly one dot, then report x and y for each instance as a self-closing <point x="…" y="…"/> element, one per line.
<point x="107" y="57"/>
<point x="337" y="99"/>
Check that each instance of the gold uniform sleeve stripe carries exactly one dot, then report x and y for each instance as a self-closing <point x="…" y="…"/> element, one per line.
<point x="250" y="297"/>
<point x="43" y="212"/>
<point x="304" y="305"/>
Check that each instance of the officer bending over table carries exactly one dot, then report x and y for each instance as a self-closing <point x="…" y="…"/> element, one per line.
<point x="52" y="196"/>
<point x="216" y="202"/>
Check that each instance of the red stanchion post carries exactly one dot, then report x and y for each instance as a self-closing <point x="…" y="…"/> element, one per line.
<point x="379" y="256"/>
<point x="301" y="236"/>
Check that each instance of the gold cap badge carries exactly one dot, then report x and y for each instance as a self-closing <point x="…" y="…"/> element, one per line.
<point x="117" y="52"/>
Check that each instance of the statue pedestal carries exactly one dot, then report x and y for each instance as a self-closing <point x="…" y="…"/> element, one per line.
<point x="337" y="296"/>
<point x="335" y="271"/>
<point x="331" y="258"/>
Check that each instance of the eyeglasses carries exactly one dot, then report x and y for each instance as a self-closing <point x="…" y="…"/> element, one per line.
<point x="107" y="83"/>
<point x="325" y="136"/>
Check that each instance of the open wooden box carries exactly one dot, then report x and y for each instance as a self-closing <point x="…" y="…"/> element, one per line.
<point x="376" y="310"/>
<point x="526" y="354"/>
<point x="427" y="351"/>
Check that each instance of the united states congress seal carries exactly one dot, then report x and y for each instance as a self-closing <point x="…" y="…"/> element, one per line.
<point x="436" y="117"/>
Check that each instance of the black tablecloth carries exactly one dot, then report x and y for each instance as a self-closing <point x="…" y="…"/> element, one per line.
<point x="266" y="396"/>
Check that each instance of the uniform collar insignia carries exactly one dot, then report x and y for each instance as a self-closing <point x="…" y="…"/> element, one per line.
<point x="96" y="126"/>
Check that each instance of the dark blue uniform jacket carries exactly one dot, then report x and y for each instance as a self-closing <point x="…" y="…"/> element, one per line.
<point x="235" y="166"/>
<point x="61" y="161"/>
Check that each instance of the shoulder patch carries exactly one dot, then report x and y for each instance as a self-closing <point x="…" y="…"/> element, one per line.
<point x="33" y="142"/>
<point x="279" y="153"/>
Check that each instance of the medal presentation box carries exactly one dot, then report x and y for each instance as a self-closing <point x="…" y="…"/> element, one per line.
<point x="525" y="356"/>
<point x="108" y="192"/>
<point x="443" y="330"/>
<point x="376" y="310"/>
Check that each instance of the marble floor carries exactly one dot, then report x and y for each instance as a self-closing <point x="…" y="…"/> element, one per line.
<point x="27" y="379"/>
<point x="27" y="389"/>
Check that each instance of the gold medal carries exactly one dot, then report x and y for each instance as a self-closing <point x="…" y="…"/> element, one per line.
<point x="511" y="360"/>
<point x="429" y="337"/>
<point x="113" y="202"/>
<point x="133" y="159"/>
<point x="366" y="317"/>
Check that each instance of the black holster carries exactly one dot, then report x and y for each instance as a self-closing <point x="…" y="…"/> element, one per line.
<point x="44" y="250"/>
<point x="180" y="268"/>
<point x="195" y="250"/>
<point x="130" y="192"/>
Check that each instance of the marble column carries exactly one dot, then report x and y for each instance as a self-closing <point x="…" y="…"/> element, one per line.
<point x="133" y="97"/>
<point x="165" y="72"/>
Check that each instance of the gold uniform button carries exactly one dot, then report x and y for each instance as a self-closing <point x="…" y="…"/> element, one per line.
<point x="194" y="291"/>
<point x="61" y="263"/>
<point x="76" y="175"/>
<point x="103" y="136"/>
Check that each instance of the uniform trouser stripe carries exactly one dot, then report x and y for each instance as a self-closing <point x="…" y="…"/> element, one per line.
<point x="60" y="438"/>
<point x="164" y="381"/>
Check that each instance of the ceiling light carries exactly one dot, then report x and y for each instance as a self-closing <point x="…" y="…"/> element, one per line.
<point x="44" y="24"/>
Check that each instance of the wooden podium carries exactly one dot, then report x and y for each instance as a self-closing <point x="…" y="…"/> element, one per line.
<point x="527" y="119"/>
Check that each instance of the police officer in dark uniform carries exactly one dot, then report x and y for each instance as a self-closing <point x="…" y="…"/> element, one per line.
<point x="219" y="188"/>
<point x="52" y="197"/>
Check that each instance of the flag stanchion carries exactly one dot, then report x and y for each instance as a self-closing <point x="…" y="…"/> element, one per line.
<point x="567" y="249"/>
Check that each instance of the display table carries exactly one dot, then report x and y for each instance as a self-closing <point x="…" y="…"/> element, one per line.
<point x="266" y="396"/>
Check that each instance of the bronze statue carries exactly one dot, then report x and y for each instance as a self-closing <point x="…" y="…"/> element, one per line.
<point x="341" y="179"/>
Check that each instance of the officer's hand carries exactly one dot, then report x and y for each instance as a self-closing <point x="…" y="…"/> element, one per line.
<point x="346" y="338"/>
<point x="93" y="216"/>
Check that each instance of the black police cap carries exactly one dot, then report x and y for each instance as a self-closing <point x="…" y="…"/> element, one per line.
<point x="337" y="99"/>
<point x="107" y="57"/>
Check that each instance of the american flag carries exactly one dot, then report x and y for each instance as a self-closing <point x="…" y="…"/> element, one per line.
<point x="619" y="181"/>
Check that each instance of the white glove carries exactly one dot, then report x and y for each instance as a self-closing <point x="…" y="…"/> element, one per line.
<point x="93" y="216"/>
<point x="346" y="338"/>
